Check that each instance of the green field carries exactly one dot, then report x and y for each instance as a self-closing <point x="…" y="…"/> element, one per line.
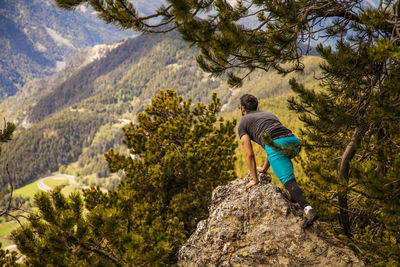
<point x="5" y="229"/>
<point x="68" y="190"/>
<point x="55" y="182"/>
<point x="28" y="190"/>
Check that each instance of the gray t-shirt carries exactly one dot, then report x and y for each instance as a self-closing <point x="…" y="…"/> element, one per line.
<point x="254" y="123"/>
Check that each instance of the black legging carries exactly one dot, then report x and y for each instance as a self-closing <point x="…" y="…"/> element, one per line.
<point x="296" y="193"/>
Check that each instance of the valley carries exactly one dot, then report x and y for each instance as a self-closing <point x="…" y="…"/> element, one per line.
<point x="66" y="122"/>
<point x="143" y="178"/>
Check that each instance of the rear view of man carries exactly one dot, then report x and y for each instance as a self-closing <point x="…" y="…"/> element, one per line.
<point x="251" y="126"/>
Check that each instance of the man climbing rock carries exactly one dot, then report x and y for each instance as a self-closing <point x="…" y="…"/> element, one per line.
<point x="251" y="127"/>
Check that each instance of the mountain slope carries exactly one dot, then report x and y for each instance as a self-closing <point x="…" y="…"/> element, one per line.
<point x="113" y="83"/>
<point x="36" y="38"/>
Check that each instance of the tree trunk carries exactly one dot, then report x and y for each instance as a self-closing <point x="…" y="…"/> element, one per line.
<point x="381" y="166"/>
<point x="344" y="214"/>
<point x="344" y="170"/>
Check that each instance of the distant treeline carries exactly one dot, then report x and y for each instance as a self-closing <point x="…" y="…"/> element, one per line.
<point x="46" y="146"/>
<point x="118" y="86"/>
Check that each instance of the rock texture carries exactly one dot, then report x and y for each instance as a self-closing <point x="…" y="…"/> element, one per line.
<point x="260" y="228"/>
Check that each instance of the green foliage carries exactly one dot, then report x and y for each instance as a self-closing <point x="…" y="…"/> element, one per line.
<point x="179" y="156"/>
<point x="379" y="250"/>
<point x="59" y="234"/>
<point x="228" y="43"/>
<point x="287" y="150"/>
<point x="7" y="258"/>
<point x="349" y="124"/>
<point x="6" y="133"/>
<point x="117" y="87"/>
<point x="128" y="81"/>
<point x="5" y="136"/>
<point x="45" y="146"/>
<point x="353" y="143"/>
<point x="179" y="152"/>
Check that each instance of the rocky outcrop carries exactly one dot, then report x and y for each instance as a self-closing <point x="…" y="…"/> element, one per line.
<point x="260" y="228"/>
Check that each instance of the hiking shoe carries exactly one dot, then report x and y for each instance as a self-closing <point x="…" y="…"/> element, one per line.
<point x="310" y="218"/>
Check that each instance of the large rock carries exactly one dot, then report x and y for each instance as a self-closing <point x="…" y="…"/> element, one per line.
<point x="260" y="228"/>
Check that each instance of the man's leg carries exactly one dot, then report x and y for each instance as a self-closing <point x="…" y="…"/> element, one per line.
<point x="296" y="193"/>
<point x="283" y="169"/>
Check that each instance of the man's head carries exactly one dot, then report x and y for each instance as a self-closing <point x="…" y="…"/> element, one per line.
<point x="248" y="103"/>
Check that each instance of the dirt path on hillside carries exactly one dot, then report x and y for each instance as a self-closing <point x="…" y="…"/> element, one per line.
<point x="10" y="247"/>
<point x="56" y="176"/>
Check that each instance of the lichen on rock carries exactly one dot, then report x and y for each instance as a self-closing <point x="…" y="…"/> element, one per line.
<point x="260" y="228"/>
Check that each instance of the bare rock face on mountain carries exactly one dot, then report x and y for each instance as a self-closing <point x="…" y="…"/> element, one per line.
<point x="260" y="228"/>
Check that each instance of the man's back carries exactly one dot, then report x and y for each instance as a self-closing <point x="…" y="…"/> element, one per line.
<point x="254" y="123"/>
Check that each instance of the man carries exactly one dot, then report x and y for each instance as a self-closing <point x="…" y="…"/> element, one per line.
<point x="251" y="126"/>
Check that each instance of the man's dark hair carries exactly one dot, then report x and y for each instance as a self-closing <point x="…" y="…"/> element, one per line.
<point x="249" y="102"/>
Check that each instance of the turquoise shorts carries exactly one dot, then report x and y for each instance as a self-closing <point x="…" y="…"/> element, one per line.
<point x="280" y="164"/>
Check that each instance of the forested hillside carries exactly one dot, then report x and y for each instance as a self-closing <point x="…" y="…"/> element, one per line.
<point x="348" y="112"/>
<point x="44" y="147"/>
<point x="108" y="91"/>
<point x="36" y="38"/>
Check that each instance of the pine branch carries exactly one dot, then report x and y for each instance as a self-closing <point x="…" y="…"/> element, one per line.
<point x="7" y="132"/>
<point x="289" y="151"/>
<point x="8" y="208"/>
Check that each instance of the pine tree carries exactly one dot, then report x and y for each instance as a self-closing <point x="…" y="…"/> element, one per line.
<point x="179" y="152"/>
<point x="352" y="128"/>
<point x="60" y="235"/>
<point x="7" y="258"/>
<point x="239" y="37"/>
<point x="180" y="155"/>
<point x="352" y="123"/>
<point x="7" y="132"/>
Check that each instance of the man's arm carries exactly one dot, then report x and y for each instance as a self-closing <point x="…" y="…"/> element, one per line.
<point x="250" y="159"/>
<point x="265" y="167"/>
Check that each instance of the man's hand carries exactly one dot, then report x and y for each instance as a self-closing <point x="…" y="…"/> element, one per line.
<point x="265" y="167"/>
<point x="261" y="169"/>
<point x="250" y="184"/>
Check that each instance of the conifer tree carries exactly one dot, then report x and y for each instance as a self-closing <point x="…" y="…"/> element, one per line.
<point x="352" y="124"/>
<point x="179" y="152"/>
<point x="240" y="36"/>
<point x="7" y="258"/>
<point x="352" y="127"/>
<point x="60" y="235"/>
<point x="7" y="132"/>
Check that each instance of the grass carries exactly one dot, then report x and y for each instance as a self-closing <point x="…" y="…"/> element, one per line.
<point x="31" y="189"/>
<point x="28" y="190"/>
<point x="5" y="242"/>
<point x="55" y="182"/>
<point x="5" y="229"/>
<point x="67" y="190"/>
